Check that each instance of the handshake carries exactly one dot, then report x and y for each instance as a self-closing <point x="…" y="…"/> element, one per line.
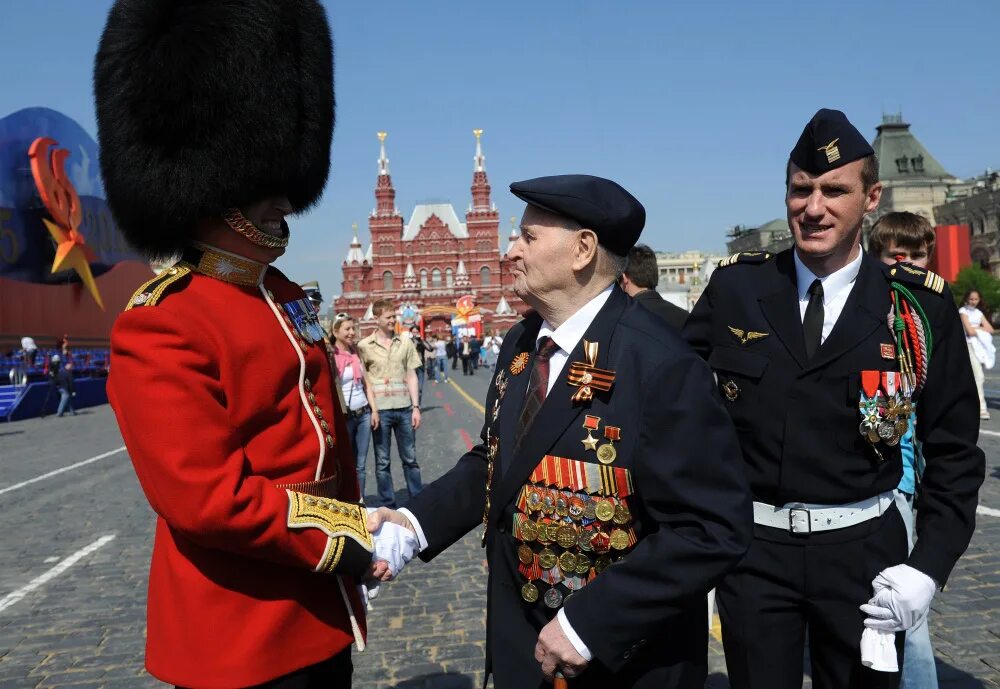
<point x="396" y="543"/>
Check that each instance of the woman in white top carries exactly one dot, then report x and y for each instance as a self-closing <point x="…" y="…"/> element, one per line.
<point x="979" y="337"/>
<point x="362" y="415"/>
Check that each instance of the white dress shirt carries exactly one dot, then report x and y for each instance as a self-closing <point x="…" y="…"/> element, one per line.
<point x="567" y="336"/>
<point x="836" y="288"/>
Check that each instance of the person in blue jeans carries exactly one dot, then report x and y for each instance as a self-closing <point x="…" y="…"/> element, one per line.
<point x="909" y="237"/>
<point x="360" y="414"/>
<point x="441" y="352"/>
<point x="391" y="363"/>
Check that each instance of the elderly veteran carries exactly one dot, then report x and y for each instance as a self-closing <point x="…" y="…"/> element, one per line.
<point x="220" y="378"/>
<point x="821" y="352"/>
<point x="607" y="482"/>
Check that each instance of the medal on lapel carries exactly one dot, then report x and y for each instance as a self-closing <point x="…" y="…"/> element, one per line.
<point x="606" y="453"/>
<point x="585" y="375"/>
<point x="519" y="363"/>
<point x="590" y="423"/>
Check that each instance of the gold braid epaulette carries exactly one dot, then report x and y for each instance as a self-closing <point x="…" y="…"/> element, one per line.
<point x="150" y="292"/>
<point x="746" y="257"/>
<point x="917" y="276"/>
<point x="345" y="523"/>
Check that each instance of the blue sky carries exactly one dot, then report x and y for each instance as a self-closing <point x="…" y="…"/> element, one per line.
<point x="692" y="106"/>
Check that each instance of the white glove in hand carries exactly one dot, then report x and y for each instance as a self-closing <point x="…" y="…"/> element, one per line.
<point x="396" y="545"/>
<point x="902" y="599"/>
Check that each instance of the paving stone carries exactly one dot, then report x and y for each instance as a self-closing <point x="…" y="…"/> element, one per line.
<point x="86" y="628"/>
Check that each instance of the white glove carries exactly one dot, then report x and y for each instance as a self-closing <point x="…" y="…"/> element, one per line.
<point x="396" y="545"/>
<point x="902" y="599"/>
<point x="878" y="650"/>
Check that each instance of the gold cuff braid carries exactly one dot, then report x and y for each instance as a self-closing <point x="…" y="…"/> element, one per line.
<point x="345" y="524"/>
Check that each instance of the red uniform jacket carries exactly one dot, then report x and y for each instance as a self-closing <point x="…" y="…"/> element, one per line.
<point x="221" y="403"/>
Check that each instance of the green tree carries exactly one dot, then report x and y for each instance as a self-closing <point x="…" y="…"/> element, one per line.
<point x="974" y="277"/>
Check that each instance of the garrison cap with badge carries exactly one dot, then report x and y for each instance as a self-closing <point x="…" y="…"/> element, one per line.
<point x="596" y="203"/>
<point x="827" y="142"/>
<point x="820" y="432"/>
<point x="220" y="378"/>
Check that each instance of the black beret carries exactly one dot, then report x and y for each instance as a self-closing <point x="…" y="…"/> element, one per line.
<point x="828" y="141"/>
<point x="596" y="203"/>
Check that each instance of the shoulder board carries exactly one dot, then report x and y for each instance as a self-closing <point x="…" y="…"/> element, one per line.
<point x="746" y="257"/>
<point x="910" y="274"/>
<point x="149" y="294"/>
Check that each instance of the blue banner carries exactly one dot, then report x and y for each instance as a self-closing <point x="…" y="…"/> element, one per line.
<point x="26" y="247"/>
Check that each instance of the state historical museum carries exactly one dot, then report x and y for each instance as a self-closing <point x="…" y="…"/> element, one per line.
<point x="429" y="264"/>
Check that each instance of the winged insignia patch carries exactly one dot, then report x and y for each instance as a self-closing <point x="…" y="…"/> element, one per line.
<point x="746" y="337"/>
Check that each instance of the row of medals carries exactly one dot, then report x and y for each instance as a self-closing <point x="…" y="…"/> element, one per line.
<point x="305" y="319"/>
<point x="884" y="417"/>
<point x="578" y="524"/>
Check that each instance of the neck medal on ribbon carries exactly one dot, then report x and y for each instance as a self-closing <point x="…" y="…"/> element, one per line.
<point x="585" y="375"/>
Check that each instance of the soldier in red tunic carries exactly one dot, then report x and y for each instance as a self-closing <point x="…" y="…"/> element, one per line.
<point x="215" y="121"/>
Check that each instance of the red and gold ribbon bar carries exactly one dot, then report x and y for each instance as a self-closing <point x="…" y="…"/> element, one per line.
<point x="572" y="474"/>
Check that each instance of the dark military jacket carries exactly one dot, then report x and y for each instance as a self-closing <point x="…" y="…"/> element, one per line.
<point x="644" y="617"/>
<point x="798" y="419"/>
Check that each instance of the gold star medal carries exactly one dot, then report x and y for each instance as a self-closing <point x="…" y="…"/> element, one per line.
<point x="590" y="423"/>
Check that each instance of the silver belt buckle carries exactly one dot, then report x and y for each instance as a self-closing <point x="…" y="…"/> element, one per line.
<point x="799" y="520"/>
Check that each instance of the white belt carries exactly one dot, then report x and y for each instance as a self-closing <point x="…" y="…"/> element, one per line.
<point x="805" y="518"/>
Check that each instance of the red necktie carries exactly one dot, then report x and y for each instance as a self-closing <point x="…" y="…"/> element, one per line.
<point x="538" y="386"/>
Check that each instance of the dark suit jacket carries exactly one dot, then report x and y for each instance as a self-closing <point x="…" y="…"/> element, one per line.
<point x="798" y="418"/>
<point x="671" y="313"/>
<point x="644" y="618"/>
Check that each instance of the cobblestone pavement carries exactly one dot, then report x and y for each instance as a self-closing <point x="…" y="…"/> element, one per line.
<point x="82" y="625"/>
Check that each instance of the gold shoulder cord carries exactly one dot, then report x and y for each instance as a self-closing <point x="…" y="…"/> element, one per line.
<point x="151" y="291"/>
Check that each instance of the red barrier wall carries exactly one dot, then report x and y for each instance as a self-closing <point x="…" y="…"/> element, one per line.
<point x="47" y="312"/>
<point x="951" y="251"/>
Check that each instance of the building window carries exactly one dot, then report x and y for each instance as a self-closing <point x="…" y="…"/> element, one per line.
<point x="901" y="164"/>
<point x="387" y="280"/>
<point x="917" y="163"/>
<point x="423" y="278"/>
<point x="435" y="247"/>
<point x="435" y="278"/>
<point x="357" y="285"/>
<point x="484" y="276"/>
<point x="385" y="248"/>
<point x="449" y="277"/>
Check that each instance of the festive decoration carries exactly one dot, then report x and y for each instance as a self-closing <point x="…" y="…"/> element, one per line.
<point x="61" y="200"/>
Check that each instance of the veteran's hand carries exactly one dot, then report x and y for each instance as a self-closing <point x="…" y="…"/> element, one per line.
<point x="383" y="514"/>
<point x="555" y="652"/>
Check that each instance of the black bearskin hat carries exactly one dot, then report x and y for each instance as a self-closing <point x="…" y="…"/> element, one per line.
<point x="206" y="105"/>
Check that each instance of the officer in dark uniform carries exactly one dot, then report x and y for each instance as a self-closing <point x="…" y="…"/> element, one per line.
<point x="608" y="476"/>
<point x="822" y="352"/>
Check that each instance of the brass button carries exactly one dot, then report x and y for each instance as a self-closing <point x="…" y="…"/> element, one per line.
<point x="318" y="411"/>
<point x="329" y="440"/>
<point x="172" y="271"/>
<point x="312" y="398"/>
<point x="324" y="425"/>
<point x="307" y="385"/>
